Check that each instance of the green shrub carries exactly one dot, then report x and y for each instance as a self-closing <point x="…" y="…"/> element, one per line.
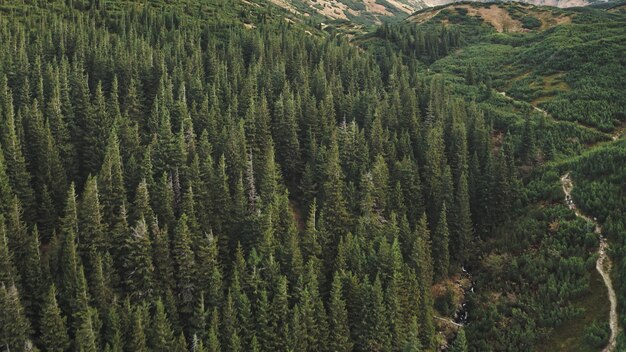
<point x="530" y="22"/>
<point x="597" y="334"/>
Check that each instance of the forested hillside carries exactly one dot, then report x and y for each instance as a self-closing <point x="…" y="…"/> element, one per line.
<point x="229" y="176"/>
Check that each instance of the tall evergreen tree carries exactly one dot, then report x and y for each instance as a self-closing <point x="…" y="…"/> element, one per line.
<point x="14" y="327"/>
<point x="335" y="208"/>
<point x="54" y="335"/>
<point x="137" y="270"/>
<point x="185" y="267"/>
<point x="161" y="335"/>
<point x="8" y="273"/>
<point x="460" y="342"/>
<point x="441" y="243"/>
<point x="339" y="339"/>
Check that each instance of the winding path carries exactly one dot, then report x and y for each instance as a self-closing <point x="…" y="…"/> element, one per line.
<point x="603" y="265"/>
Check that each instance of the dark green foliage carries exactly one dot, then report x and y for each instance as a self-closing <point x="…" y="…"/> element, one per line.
<point x="460" y="342"/>
<point x="530" y="22"/>
<point x="14" y="327"/>
<point x="206" y="176"/>
<point x="53" y="329"/>
<point x="597" y="335"/>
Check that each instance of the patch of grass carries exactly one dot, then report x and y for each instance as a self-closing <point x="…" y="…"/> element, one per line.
<point x="570" y="336"/>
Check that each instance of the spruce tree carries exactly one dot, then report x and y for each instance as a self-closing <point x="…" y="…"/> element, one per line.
<point x="460" y="342"/>
<point x="422" y="263"/>
<point x="185" y="267"/>
<point x="31" y="275"/>
<point x="137" y="270"/>
<point x="14" y="327"/>
<point x="85" y="340"/>
<point x="137" y="340"/>
<point x="335" y="208"/>
<point x="213" y="342"/>
<point x="6" y="193"/>
<point x="339" y="338"/>
<point x="54" y="337"/>
<point x="461" y="229"/>
<point x="279" y="315"/>
<point x="8" y="273"/>
<point x="111" y="182"/>
<point x="19" y="176"/>
<point x="377" y="334"/>
<point x="90" y="221"/>
<point x="161" y="335"/>
<point x="440" y="245"/>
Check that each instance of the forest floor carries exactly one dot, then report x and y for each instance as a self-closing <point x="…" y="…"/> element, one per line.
<point x="603" y="264"/>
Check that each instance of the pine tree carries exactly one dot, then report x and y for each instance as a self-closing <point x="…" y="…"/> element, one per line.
<point x="185" y="267"/>
<point x="213" y="344"/>
<point x="31" y="275"/>
<point x="299" y="339"/>
<point x="198" y="320"/>
<point x="422" y="263"/>
<point x="461" y="230"/>
<point x="112" y="335"/>
<point x="136" y="266"/>
<point x="6" y="193"/>
<point x="441" y="252"/>
<point x="279" y="313"/>
<point x="85" y="340"/>
<point x="209" y="274"/>
<point x="81" y="311"/>
<point x="380" y="182"/>
<point x="161" y="334"/>
<point x="8" y="273"/>
<point x="163" y="201"/>
<point x="339" y="338"/>
<point x="54" y="335"/>
<point x="58" y="121"/>
<point x="111" y="182"/>
<point x="68" y="259"/>
<point x="100" y="283"/>
<point x="264" y="322"/>
<point x="19" y="176"/>
<point x="14" y="327"/>
<point x="162" y="261"/>
<point x="137" y="340"/>
<point x="377" y="334"/>
<point x="90" y="221"/>
<point x="230" y="324"/>
<point x="460" y="342"/>
<point x="141" y="206"/>
<point x="335" y="209"/>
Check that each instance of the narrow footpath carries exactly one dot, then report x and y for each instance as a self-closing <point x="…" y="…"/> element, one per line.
<point x="603" y="265"/>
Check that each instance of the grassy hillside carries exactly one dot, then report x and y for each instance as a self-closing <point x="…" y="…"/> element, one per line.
<point x="569" y="63"/>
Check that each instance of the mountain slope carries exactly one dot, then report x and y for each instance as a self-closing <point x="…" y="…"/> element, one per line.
<point x="376" y="11"/>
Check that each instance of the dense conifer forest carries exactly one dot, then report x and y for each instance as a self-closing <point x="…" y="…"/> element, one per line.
<point x="224" y="176"/>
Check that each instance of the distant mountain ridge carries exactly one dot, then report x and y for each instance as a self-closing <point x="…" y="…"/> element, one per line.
<point x="377" y="11"/>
